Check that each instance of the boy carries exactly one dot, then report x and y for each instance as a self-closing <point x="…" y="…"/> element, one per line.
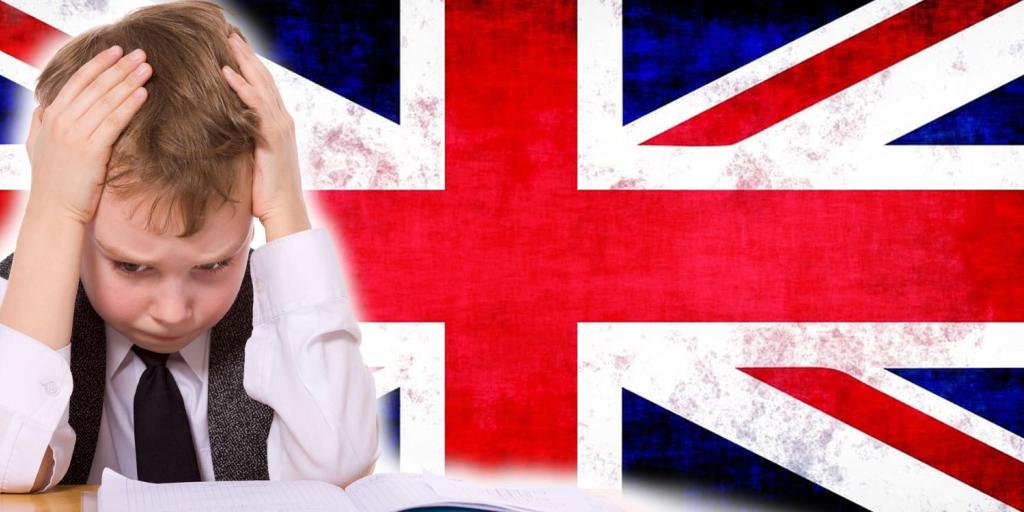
<point x="185" y="366"/>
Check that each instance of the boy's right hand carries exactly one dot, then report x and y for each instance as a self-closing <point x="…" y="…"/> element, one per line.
<point x="71" y="140"/>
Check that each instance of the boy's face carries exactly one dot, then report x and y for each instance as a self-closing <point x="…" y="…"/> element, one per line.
<point x="149" y="286"/>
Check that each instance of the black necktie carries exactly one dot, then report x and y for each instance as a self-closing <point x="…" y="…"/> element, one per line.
<point x="163" y="439"/>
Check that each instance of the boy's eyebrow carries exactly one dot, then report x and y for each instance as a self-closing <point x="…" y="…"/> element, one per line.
<point x="114" y="254"/>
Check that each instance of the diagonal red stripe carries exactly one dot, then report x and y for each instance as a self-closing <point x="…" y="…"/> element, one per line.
<point x="797" y="88"/>
<point x="23" y="36"/>
<point x="902" y="427"/>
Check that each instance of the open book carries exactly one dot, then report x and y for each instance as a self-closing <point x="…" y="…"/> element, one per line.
<point x="386" y="492"/>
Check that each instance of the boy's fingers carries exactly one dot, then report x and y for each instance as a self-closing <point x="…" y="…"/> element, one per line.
<point x="99" y="87"/>
<point x="264" y="81"/>
<point x="248" y="63"/>
<point x="110" y="129"/>
<point x="261" y="68"/>
<point x="84" y="76"/>
<point x="110" y="101"/>
<point x="243" y="88"/>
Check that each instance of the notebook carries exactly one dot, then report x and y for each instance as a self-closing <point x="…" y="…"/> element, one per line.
<point x="385" y="492"/>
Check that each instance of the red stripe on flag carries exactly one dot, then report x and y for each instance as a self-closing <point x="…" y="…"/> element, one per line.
<point x="23" y="37"/>
<point x="797" y="88"/>
<point x="8" y="200"/>
<point x="897" y="424"/>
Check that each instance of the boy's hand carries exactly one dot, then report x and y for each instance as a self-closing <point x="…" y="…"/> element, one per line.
<point x="70" y="141"/>
<point x="277" y="185"/>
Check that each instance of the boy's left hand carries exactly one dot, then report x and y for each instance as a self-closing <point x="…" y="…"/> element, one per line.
<point x="277" y="198"/>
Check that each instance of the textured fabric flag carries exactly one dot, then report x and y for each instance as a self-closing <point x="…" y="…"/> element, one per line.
<point x="747" y="254"/>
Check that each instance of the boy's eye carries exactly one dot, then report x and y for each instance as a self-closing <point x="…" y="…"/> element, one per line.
<point x="131" y="268"/>
<point x="215" y="267"/>
<point x="135" y="268"/>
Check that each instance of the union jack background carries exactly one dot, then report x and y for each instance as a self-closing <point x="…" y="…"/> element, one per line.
<point x="745" y="255"/>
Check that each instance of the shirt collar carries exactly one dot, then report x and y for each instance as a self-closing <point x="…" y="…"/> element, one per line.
<point x="119" y="346"/>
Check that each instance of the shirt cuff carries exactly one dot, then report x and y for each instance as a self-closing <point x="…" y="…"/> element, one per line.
<point x="36" y="386"/>
<point x="293" y="272"/>
<point x="35" y="379"/>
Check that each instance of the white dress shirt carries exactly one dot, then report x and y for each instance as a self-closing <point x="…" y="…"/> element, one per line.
<point x="302" y="360"/>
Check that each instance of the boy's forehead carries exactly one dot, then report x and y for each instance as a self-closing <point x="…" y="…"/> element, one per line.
<point x="120" y="224"/>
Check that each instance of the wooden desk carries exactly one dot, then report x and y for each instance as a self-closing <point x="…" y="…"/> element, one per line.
<point x="59" y="499"/>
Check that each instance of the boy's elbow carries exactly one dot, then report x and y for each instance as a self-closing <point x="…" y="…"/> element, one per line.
<point x="337" y="465"/>
<point x="364" y="464"/>
<point x="345" y="482"/>
<point x="369" y="470"/>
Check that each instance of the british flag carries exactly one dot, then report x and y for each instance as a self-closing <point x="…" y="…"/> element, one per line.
<point x="746" y="254"/>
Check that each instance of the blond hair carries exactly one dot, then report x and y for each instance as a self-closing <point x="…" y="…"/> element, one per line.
<point x="193" y="135"/>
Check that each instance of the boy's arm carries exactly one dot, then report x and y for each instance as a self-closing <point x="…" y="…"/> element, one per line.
<point x="37" y="309"/>
<point x="36" y="441"/>
<point x="40" y="297"/>
<point x="303" y="360"/>
<point x="69" y="144"/>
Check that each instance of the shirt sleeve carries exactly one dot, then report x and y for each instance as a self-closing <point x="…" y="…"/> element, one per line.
<point x="303" y="361"/>
<point x="35" y="392"/>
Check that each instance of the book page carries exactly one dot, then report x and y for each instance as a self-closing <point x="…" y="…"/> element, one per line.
<point x="392" y="492"/>
<point x="120" y="494"/>
<point x="534" y="498"/>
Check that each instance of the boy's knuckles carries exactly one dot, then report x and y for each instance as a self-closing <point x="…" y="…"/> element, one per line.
<point x="112" y="123"/>
<point x="116" y="96"/>
<point x="112" y="99"/>
<point x="64" y="122"/>
<point x="112" y="77"/>
<point x="126" y="65"/>
<point x="54" y="119"/>
<point x="76" y="142"/>
<point x="103" y="84"/>
<point x="65" y="133"/>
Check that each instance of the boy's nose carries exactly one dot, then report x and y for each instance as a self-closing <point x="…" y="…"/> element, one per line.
<point x="171" y="311"/>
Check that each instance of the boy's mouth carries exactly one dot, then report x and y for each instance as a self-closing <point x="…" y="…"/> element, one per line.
<point x="164" y="338"/>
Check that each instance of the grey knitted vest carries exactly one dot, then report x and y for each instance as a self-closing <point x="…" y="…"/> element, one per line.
<point x="238" y="424"/>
